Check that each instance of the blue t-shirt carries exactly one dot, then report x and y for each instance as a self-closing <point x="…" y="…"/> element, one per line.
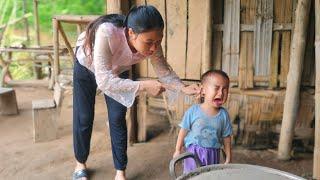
<point x="204" y="130"/>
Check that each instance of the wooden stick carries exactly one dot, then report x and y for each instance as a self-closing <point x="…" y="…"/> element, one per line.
<point x="316" y="157"/>
<point x="291" y="103"/>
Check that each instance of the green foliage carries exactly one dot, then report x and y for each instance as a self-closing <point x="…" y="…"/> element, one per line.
<point x="48" y="8"/>
<point x="14" y="35"/>
<point x="21" y="71"/>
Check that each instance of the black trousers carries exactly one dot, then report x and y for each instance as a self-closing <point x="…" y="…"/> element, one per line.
<point x="84" y="92"/>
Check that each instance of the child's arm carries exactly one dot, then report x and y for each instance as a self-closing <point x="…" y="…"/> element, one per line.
<point x="227" y="148"/>
<point x="179" y="146"/>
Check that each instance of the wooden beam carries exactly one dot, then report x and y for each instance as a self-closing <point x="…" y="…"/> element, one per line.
<point x="67" y="43"/>
<point x="75" y="19"/>
<point x="291" y="102"/>
<point x="251" y="28"/>
<point x="316" y="157"/>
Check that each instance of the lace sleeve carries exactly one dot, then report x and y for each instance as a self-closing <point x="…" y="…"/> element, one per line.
<point x="167" y="76"/>
<point x="122" y="90"/>
<point x="164" y="71"/>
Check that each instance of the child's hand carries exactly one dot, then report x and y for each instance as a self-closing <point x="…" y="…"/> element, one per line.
<point x="176" y="153"/>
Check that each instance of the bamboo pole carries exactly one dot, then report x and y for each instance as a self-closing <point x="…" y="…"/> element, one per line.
<point x="316" y="157"/>
<point x="291" y="103"/>
<point x="207" y="39"/>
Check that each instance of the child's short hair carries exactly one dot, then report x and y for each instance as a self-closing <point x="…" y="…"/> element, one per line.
<point x="212" y="72"/>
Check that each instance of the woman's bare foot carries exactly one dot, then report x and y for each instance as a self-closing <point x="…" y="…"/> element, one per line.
<point x="120" y="175"/>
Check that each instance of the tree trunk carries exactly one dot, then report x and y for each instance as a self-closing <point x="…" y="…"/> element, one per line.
<point x="291" y="103"/>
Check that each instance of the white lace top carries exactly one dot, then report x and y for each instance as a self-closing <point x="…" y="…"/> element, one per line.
<point x="112" y="56"/>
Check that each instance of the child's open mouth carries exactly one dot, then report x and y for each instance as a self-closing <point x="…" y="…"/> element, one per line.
<point x="217" y="101"/>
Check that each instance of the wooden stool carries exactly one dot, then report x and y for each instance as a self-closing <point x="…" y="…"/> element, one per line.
<point x="45" y="113"/>
<point x="8" y="101"/>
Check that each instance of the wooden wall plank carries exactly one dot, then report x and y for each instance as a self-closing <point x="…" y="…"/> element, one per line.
<point x="235" y="49"/>
<point x="263" y="37"/>
<point x="247" y="17"/>
<point x="141" y="69"/>
<point x="231" y="37"/>
<point x="308" y="75"/>
<point x="217" y="35"/>
<point x="195" y="40"/>
<point x="161" y="6"/>
<point x="274" y="60"/>
<point x="177" y="35"/>
<point x="283" y="14"/>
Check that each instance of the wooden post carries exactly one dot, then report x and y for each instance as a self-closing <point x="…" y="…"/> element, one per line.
<point x="114" y="7"/>
<point x="37" y="67"/>
<point x="67" y="43"/>
<point x="26" y="21"/>
<point x="136" y="130"/>
<point x="291" y="102"/>
<point x="56" y="65"/>
<point x="316" y="157"/>
<point x="36" y="20"/>
<point x="207" y="39"/>
<point x="141" y="118"/>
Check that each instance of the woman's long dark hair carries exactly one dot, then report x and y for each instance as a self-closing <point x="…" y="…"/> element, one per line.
<point x="140" y="19"/>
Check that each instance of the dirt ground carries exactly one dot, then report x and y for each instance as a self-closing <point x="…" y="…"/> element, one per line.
<point x="21" y="158"/>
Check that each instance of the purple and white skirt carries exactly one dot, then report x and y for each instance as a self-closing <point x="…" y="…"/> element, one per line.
<point x="207" y="156"/>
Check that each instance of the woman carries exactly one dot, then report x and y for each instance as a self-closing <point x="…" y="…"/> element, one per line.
<point x="104" y="54"/>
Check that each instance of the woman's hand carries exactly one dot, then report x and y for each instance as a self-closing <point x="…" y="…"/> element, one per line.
<point x="192" y="89"/>
<point x="152" y="87"/>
